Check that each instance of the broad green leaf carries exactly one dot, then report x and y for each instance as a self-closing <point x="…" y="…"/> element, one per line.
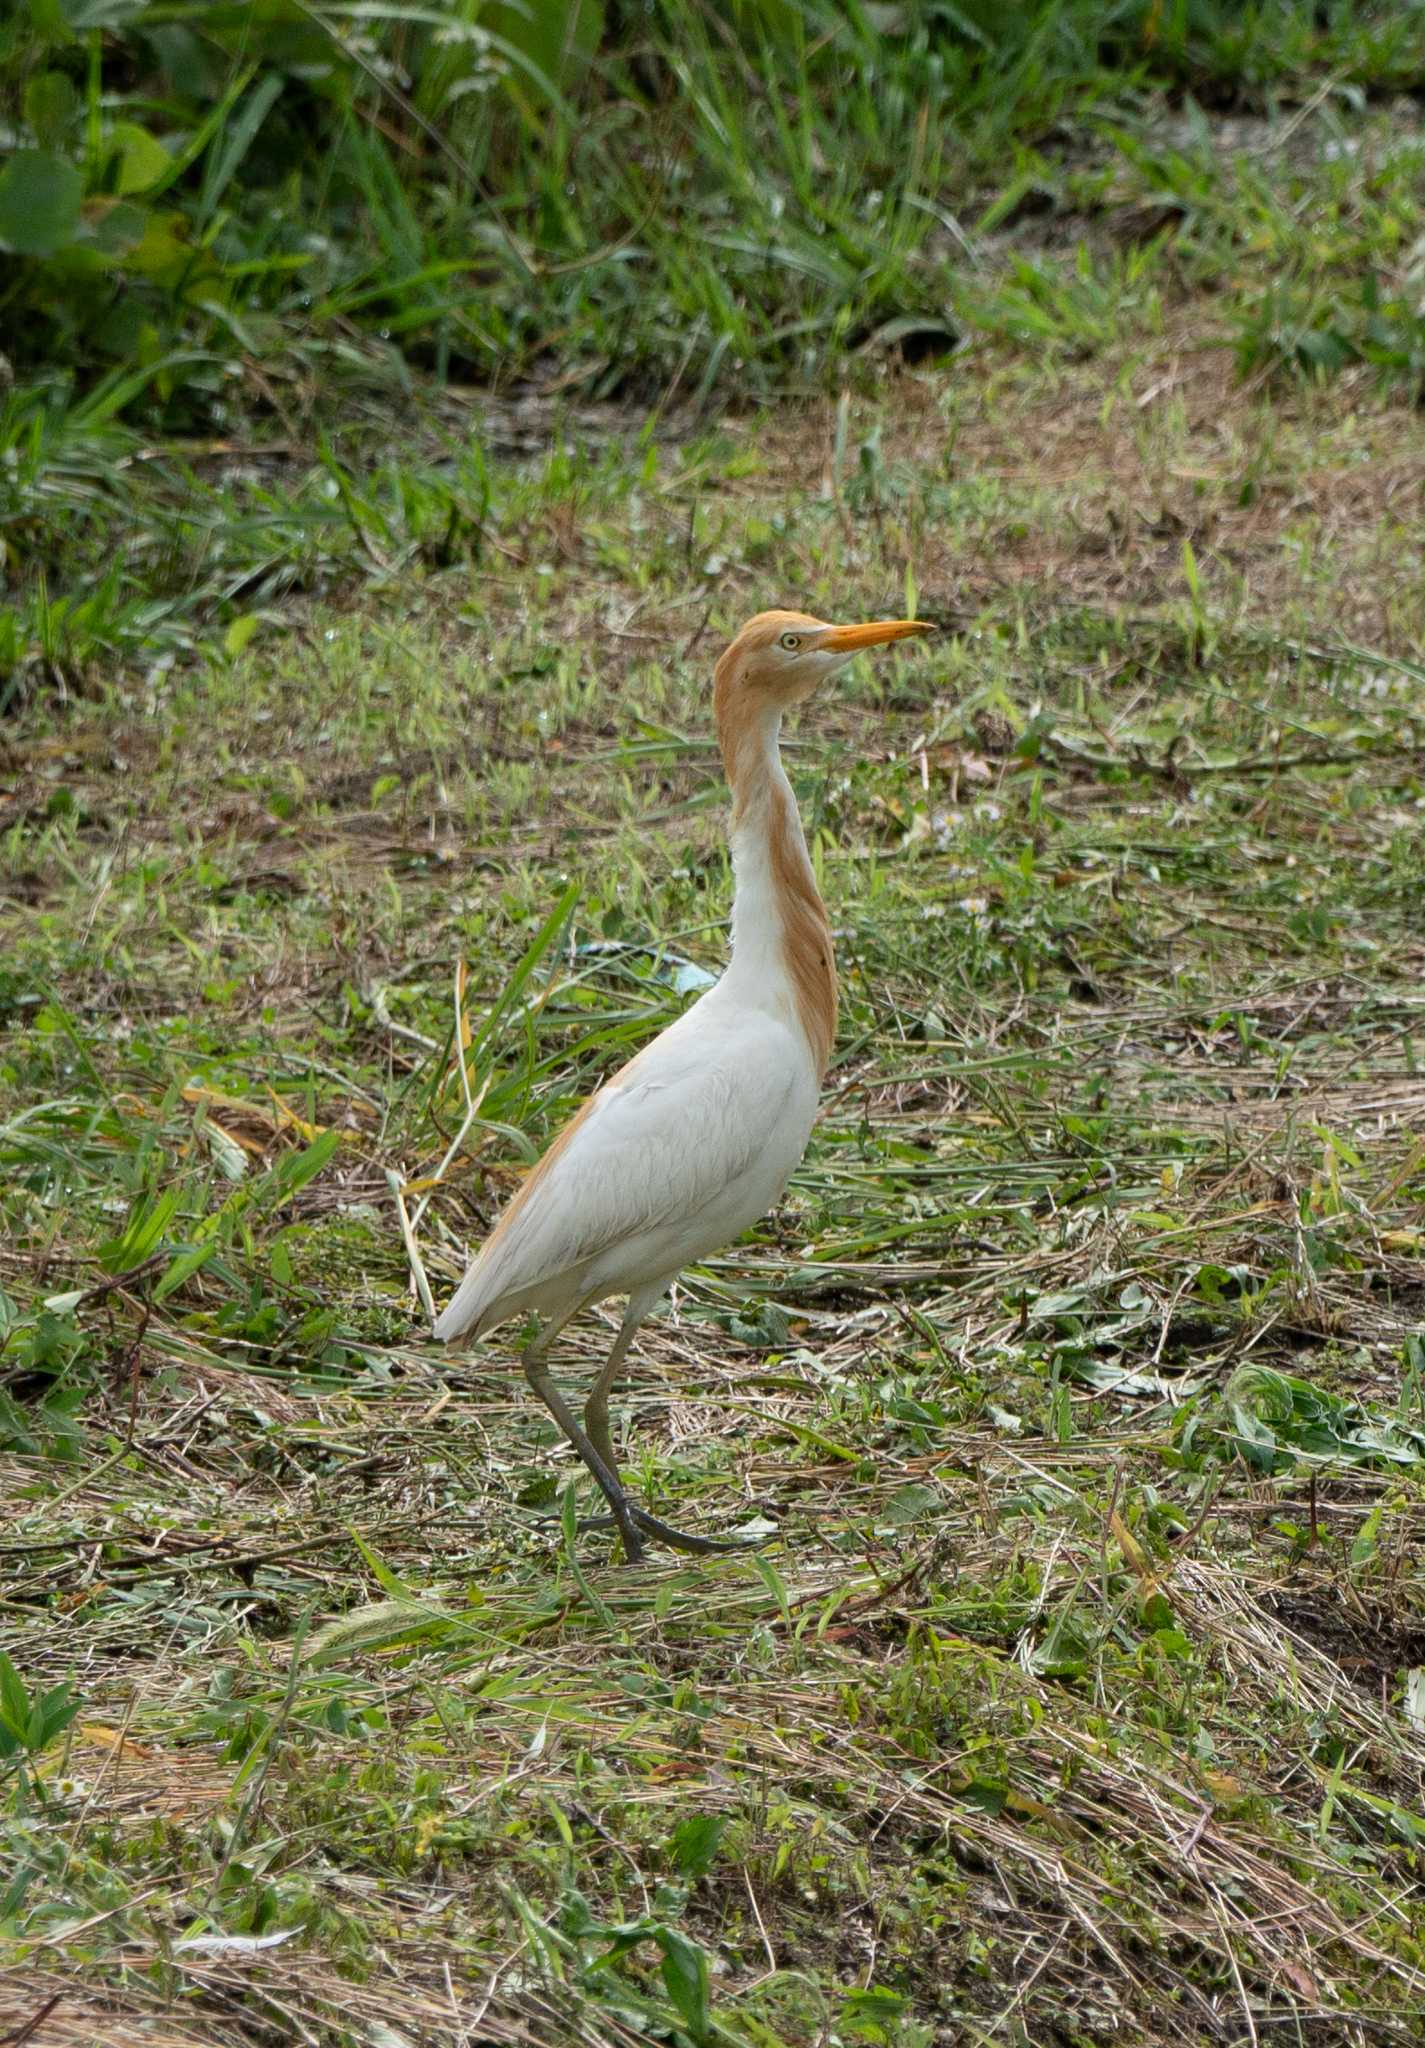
<point x="685" y="1978"/>
<point x="52" y="1715"/>
<point x="142" y="159"/>
<point x="1155" y="1611"/>
<point x="694" y="1843"/>
<point x="910" y="1504"/>
<point x="871" y="2014"/>
<point x="40" y="197"/>
<point x="1367" y="1537"/>
<point x="987" y="1795"/>
<point x="14" y="1700"/>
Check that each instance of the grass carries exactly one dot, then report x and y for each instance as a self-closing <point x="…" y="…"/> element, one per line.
<point x="1076" y="1695"/>
<point x="243" y="242"/>
<point x="359" y="811"/>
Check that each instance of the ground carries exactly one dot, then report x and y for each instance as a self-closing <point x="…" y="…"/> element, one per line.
<point x="1076" y="1691"/>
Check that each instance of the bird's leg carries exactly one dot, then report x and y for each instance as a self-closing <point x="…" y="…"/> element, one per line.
<point x="596" y="1408"/>
<point x="540" y="1378"/>
<point x="595" y="1446"/>
<point x="596" y="1422"/>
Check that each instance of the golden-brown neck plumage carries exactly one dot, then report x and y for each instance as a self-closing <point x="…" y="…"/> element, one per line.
<point x="780" y="933"/>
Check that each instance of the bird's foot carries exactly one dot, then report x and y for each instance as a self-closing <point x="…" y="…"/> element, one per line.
<point x="682" y="1539"/>
<point x="676" y="1539"/>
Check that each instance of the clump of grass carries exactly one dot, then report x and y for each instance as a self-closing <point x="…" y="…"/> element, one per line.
<point x="1297" y="331"/>
<point x="660" y="199"/>
<point x="239" y="243"/>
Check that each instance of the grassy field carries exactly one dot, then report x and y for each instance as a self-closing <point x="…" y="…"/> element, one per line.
<point x="1076" y="1692"/>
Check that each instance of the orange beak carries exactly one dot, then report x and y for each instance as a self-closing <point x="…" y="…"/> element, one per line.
<point x="847" y="639"/>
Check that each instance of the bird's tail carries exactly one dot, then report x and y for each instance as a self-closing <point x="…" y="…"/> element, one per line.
<point x="468" y="1307"/>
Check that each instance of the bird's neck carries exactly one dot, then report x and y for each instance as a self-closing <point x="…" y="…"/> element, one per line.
<point x="781" y="939"/>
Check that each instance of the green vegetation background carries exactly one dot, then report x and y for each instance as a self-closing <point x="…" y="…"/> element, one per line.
<point x="237" y="225"/>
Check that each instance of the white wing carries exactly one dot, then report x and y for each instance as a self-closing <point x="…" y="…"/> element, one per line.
<point x="659" y="1146"/>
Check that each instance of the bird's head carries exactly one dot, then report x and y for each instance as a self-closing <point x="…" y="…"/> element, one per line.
<point x="779" y="658"/>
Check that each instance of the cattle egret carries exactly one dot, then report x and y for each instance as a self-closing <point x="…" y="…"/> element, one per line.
<point x="697" y="1136"/>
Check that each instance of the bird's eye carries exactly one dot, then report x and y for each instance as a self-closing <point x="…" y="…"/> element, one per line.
<point x="791" y="641"/>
